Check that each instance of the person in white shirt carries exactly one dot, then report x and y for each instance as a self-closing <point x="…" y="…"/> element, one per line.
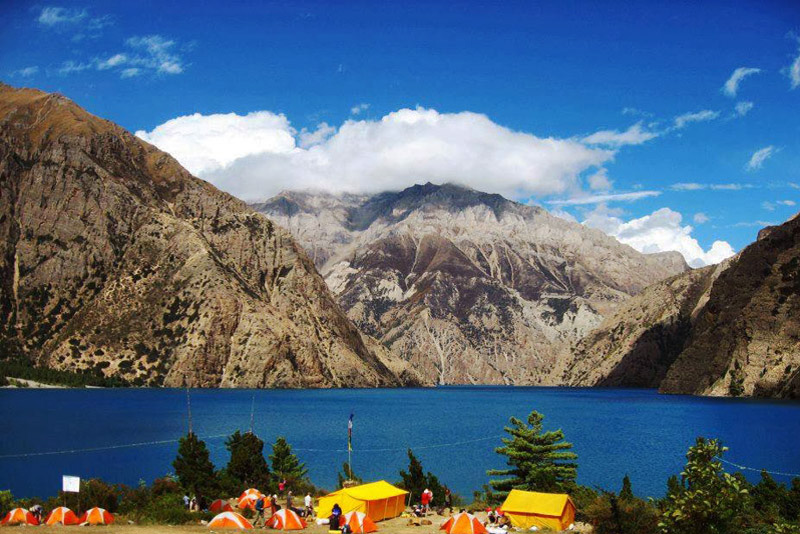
<point x="309" y="502"/>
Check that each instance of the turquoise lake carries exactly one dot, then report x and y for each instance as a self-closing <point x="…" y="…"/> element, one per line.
<point x="453" y="430"/>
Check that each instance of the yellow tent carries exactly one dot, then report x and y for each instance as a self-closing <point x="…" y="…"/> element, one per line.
<point x="526" y="509"/>
<point x="379" y="500"/>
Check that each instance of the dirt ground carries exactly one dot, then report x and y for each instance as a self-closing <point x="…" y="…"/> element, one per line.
<point x="392" y="526"/>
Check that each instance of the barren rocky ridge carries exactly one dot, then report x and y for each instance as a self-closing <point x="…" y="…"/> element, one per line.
<point x="114" y="258"/>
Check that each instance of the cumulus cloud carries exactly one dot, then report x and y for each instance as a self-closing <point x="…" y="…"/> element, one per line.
<point x="743" y="108"/>
<point x="635" y="135"/>
<point x="681" y="121"/>
<point x="603" y="198"/>
<point x="759" y="157"/>
<point x="731" y="86"/>
<point x="356" y="110"/>
<point x="701" y="218"/>
<point x="660" y="231"/>
<point x="205" y="143"/>
<point x="257" y="155"/>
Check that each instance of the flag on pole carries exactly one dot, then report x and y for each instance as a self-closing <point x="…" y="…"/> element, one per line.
<point x="350" y="433"/>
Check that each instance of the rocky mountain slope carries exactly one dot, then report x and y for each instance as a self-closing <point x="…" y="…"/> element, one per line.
<point x="468" y="287"/>
<point x="114" y="258"/>
<point x="731" y="329"/>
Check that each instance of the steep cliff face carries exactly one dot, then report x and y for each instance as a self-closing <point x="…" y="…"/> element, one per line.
<point x="466" y="286"/>
<point x="727" y="330"/>
<point x="746" y="339"/>
<point x="115" y="258"/>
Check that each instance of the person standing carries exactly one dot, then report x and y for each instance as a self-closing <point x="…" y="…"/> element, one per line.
<point x="260" y="515"/>
<point x="425" y="499"/>
<point x="448" y="500"/>
<point x="289" y="500"/>
<point x="309" y="502"/>
<point x="186" y="500"/>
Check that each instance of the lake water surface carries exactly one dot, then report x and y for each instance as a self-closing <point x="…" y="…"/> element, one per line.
<point x="453" y="430"/>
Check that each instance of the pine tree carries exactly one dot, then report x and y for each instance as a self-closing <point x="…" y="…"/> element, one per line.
<point x="538" y="461"/>
<point x="193" y="466"/>
<point x="626" y="493"/>
<point x="415" y="480"/>
<point x="285" y="464"/>
<point x="247" y="463"/>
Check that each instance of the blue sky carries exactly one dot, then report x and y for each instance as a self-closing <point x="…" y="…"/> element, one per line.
<point x="577" y="72"/>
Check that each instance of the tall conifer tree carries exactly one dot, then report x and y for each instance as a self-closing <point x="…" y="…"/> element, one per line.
<point x="285" y="464"/>
<point x="193" y="466"/>
<point x="247" y="463"/>
<point x="537" y="460"/>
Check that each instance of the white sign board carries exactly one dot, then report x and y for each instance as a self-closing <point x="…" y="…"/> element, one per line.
<point x="71" y="484"/>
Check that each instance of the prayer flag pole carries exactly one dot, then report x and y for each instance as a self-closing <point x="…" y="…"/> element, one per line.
<point x="350" y="446"/>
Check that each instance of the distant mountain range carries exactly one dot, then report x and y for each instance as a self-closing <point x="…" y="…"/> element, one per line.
<point x="114" y="259"/>
<point x="468" y="287"/>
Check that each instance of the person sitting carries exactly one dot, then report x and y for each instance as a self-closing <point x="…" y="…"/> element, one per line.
<point x="502" y="520"/>
<point x="490" y="517"/>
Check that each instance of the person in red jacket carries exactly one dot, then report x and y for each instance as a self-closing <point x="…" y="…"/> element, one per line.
<point x="427" y="497"/>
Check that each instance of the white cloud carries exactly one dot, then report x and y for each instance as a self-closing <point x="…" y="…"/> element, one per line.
<point x="25" y="72"/>
<point x="767" y="205"/>
<point x="150" y="53"/>
<point x="603" y="198"/>
<point x="660" y="231"/>
<point x="635" y="135"/>
<point x="205" y="143"/>
<point x="770" y="206"/>
<point x="743" y="108"/>
<point x="759" y="157"/>
<point x="130" y="72"/>
<point x="731" y="87"/>
<point x="159" y="53"/>
<point x="54" y="16"/>
<point x="701" y="218"/>
<point x="70" y="67"/>
<point x="793" y="70"/>
<point x="114" y="61"/>
<point x="599" y="181"/>
<point x="356" y="110"/>
<point x="694" y="186"/>
<point x="308" y="138"/>
<point x="699" y="116"/>
<point x="258" y="155"/>
<point x="787" y="202"/>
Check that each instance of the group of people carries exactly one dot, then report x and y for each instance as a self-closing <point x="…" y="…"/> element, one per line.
<point x="497" y="518"/>
<point x="426" y="502"/>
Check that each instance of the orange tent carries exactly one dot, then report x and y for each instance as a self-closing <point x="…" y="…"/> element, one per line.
<point x="61" y="515"/>
<point x="19" y="516"/>
<point x="230" y="520"/>
<point x="96" y="516"/>
<point x="463" y="523"/>
<point x="285" y="519"/>
<point x="249" y="501"/>
<point x="250" y="491"/>
<point x="220" y="506"/>
<point x="359" y="522"/>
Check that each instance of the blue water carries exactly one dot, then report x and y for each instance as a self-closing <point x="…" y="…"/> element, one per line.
<point x="614" y="432"/>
